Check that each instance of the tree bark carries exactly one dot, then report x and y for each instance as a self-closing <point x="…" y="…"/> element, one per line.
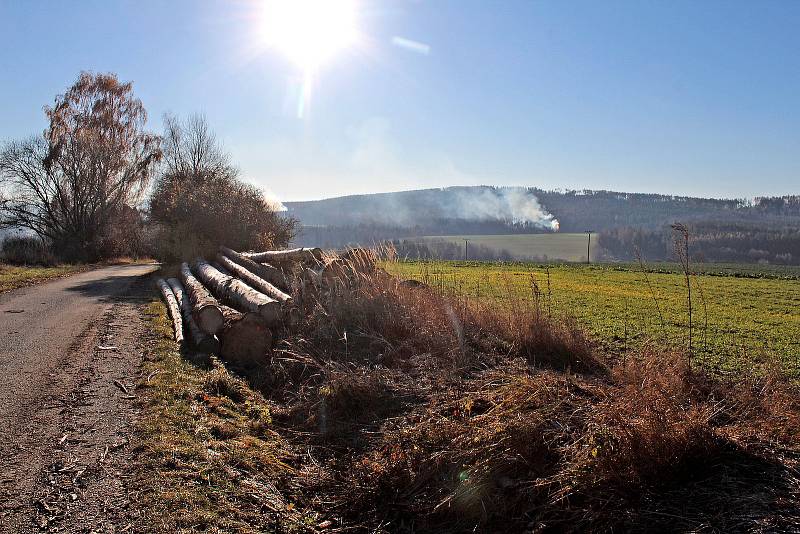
<point x="205" y="308"/>
<point x="238" y="294"/>
<point x="245" y="339"/>
<point x="252" y="279"/>
<point x="266" y="271"/>
<point x="221" y="269"/>
<point x="295" y="255"/>
<point x="202" y="341"/>
<point x="173" y="308"/>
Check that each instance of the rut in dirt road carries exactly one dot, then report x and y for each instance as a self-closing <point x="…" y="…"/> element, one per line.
<point x="69" y="358"/>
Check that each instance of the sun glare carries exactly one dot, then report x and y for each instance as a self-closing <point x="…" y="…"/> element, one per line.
<point x="309" y="32"/>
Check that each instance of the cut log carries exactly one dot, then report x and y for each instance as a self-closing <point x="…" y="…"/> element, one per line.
<point x="253" y="280"/>
<point x="295" y="255"/>
<point x="267" y="272"/>
<point x="202" y="341"/>
<point x="221" y="269"/>
<point x="173" y="308"/>
<point x="245" y="339"/>
<point x="238" y="294"/>
<point x="205" y="308"/>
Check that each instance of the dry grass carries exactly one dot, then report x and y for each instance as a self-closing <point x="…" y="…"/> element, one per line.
<point x="13" y="276"/>
<point x="397" y="408"/>
<point x="208" y="459"/>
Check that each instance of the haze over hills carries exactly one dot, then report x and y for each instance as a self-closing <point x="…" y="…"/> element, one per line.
<point x="769" y="225"/>
<point x="515" y="209"/>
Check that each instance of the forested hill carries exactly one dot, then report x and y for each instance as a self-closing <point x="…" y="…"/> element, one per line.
<point x="435" y="210"/>
<point x="602" y="210"/>
<point x="763" y="229"/>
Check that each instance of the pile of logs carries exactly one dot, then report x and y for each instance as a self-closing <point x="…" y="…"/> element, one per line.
<point x="235" y="305"/>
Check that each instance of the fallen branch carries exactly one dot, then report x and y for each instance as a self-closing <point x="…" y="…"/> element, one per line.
<point x="124" y="389"/>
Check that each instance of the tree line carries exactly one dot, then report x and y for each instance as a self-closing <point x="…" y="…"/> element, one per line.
<point x="744" y="241"/>
<point x="440" y="249"/>
<point x="584" y="210"/>
<point x="96" y="184"/>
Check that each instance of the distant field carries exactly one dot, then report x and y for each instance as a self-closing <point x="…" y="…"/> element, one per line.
<point x="567" y="247"/>
<point x="750" y="312"/>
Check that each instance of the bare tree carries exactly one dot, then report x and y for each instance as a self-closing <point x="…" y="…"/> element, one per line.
<point x="191" y="150"/>
<point x="92" y="165"/>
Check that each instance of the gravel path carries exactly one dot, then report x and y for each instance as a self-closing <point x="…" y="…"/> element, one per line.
<point x="70" y="352"/>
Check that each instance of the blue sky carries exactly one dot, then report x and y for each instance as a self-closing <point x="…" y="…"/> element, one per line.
<point x="698" y="98"/>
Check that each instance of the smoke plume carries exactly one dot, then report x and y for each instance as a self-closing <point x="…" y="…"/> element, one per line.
<point x="510" y="205"/>
<point x="516" y="205"/>
<point x="429" y="208"/>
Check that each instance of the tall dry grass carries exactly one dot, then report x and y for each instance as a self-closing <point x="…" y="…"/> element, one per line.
<point x="424" y="411"/>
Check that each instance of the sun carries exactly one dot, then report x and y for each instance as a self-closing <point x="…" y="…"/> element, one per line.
<point x="308" y="32"/>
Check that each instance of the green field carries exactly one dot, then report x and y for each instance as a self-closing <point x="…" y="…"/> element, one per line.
<point x="743" y="316"/>
<point x="566" y="247"/>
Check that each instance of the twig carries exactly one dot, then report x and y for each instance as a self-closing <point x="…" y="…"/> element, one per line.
<point x="124" y="389"/>
<point x="122" y="386"/>
<point x="151" y="375"/>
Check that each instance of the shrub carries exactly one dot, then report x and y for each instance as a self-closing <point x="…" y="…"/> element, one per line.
<point x="199" y="203"/>
<point x="26" y="251"/>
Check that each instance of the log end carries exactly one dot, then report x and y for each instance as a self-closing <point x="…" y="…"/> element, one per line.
<point x="271" y="312"/>
<point x="210" y="319"/>
<point x="247" y="343"/>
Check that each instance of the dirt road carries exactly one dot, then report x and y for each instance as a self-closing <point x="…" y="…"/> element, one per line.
<point x="69" y="356"/>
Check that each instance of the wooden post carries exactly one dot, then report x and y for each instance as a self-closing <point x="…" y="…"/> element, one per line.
<point x="588" y="247"/>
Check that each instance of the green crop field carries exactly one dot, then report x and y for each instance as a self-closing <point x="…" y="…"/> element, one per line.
<point x="566" y="247"/>
<point x="743" y="315"/>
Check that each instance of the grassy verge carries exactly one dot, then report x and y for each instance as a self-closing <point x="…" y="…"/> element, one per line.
<point x="209" y="460"/>
<point x="392" y="407"/>
<point x="13" y="276"/>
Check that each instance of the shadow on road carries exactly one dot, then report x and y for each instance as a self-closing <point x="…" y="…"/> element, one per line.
<point x="117" y="285"/>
